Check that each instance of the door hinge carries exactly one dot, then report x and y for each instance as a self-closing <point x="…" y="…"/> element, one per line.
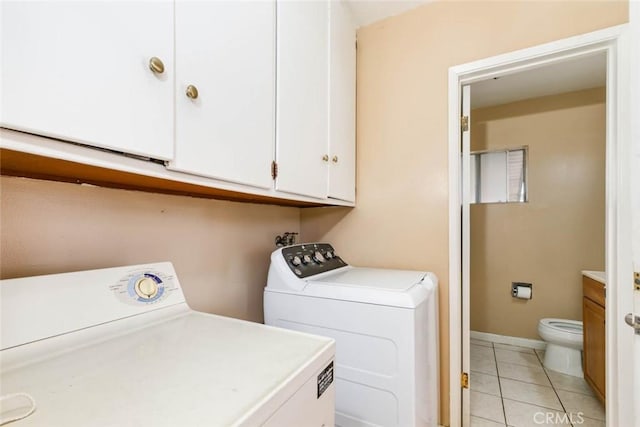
<point x="636" y="281"/>
<point x="274" y="169"/>
<point x="464" y="123"/>
<point x="464" y="380"/>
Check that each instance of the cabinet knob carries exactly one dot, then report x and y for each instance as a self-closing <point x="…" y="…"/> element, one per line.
<point x="325" y="158"/>
<point x="335" y="159"/>
<point x="192" y="92"/>
<point x="156" y="65"/>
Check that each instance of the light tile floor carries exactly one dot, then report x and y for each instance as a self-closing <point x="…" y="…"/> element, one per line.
<point x="510" y="387"/>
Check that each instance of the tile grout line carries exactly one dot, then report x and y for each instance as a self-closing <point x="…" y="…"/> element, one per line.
<point x="528" y="382"/>
<point x="519" y="363"/>
<point x="483" y="418"/>
<point x="489" y="394"/>
<point x="495" y="361"/>
<point x="570" y="390"/>
<point x="553" y="387"/>
<point x="538" y="405"/>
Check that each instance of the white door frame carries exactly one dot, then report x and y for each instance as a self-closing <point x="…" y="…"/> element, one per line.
<point x="634" y="36"/>
<point x="614" y="41"/>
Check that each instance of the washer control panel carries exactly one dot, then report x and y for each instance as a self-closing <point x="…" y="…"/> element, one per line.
<point x="144" y="287"/>
<point x="313" y="258"/>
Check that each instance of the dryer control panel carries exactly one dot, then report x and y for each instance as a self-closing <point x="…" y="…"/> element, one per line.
<point x="312" y="258"/>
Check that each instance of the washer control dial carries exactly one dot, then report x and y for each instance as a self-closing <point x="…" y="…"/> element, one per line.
<point x="309" y="259"/>
<point x="146" y="288"/>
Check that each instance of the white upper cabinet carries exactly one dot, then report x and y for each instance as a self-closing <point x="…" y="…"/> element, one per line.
<point x="316" y="74"/>
<point x="226" y="51"/>
<point x="219" y="91"/>
<point x="342" y="103"/>
<point x="302" y="98"/>
<point x="80" y="71"/>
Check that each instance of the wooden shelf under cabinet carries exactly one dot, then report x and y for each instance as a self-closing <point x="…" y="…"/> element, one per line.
<point x="593" y="319"/>
<point x="16" y="163"/>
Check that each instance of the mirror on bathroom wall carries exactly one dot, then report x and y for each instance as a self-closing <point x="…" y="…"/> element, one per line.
<point x="499" y="176"/>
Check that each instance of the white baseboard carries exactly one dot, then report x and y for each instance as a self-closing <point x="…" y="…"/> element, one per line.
<point x="503" y="339"/>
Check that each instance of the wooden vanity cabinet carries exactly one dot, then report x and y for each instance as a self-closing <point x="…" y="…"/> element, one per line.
<point x="593" y="318"/>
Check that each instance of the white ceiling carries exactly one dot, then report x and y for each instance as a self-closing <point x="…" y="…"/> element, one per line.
<point x="366" y="12"/>
<point x="568" y="76"/>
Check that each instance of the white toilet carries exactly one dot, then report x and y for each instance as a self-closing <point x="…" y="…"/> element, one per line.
<point x="564" y="345"/>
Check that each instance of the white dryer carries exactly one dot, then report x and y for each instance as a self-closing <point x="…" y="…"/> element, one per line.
<point x="121" y="347"/>
<point x="384" y="323"/>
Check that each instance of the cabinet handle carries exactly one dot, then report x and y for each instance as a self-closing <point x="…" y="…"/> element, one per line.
<point x="335" y="159"/>
<point x="325" y="158"/>
<point x="192" y="92"/>
<point x="156" y="65"/>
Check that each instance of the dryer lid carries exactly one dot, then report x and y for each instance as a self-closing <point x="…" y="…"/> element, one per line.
<point x="373" y="278"/>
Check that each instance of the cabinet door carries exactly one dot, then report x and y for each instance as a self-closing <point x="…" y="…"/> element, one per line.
<point x="79" y="71"/>
<point x="226" y="49"/>
<point x="342" y="103"/>
<point x="594" y="346"/>
<point x="302" y="97"/>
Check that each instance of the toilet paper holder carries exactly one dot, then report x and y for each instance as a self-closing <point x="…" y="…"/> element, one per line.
<point x="516" y="285"/>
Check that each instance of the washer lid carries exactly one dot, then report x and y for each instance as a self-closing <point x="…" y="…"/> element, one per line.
<point x="374" y="278"/>
<point x="395" y="288"/>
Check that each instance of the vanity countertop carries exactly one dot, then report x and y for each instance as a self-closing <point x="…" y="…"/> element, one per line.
<point x="596" y="275"/>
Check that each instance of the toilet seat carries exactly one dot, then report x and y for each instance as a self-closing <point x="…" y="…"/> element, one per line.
<point x="563" y="325"/>
<point x="561" y="332"/>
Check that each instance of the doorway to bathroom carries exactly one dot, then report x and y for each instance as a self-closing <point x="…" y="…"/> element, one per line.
<point x="521" y="166"/>
<point x="537" y="219"/>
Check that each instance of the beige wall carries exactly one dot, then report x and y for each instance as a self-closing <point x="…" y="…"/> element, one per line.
<point x="560" y="231"/>
<point x="220" y="249"/>
<point x="401" y="218"/>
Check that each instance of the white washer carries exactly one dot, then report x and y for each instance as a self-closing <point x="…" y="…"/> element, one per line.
<point x="384" y="323"/>
<point x="120" y="347"/>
